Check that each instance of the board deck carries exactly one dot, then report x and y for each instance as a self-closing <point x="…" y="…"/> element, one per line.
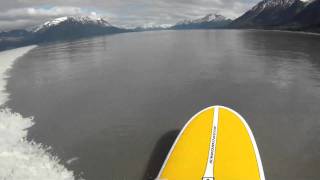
<point x="216" y="143"/>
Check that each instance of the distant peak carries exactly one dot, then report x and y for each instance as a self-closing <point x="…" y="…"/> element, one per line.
<point x="152" y="26"/>
<point x="56" y="21"/>
<point x="214" y="17"/>
<point x="208" y="18"/>
<point x="76" y="19"/>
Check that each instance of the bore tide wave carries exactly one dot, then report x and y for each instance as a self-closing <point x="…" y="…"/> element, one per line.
<point x="21" y="159"/>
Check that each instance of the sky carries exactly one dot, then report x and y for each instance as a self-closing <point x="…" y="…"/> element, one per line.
<point x="125" y="13"/>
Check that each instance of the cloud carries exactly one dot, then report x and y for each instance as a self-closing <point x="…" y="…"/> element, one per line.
<point x="24" y="17"/>
<point x="171" y="11"/>
<point x="27" y="13"/>
<point x="22" y="13"/>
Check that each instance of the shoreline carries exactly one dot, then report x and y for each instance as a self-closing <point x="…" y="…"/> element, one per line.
<point x="20" y="158"/>
<point x="286" y="31"/>
<point x="249" y="29"/>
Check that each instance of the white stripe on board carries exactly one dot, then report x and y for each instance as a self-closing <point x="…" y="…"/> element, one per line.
<point x="208" y="175"/>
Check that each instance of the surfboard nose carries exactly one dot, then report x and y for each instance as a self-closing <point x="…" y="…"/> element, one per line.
<point x="216" y="143"/>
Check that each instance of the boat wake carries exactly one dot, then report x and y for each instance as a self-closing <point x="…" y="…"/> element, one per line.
<point x="19" y="158"/>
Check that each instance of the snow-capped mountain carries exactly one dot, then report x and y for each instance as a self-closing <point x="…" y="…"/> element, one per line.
<point x="81" y="20"/>
<point x="209" y="21"/>
<point x="272" y="4"/>
<point x="206" y="19"/>
<point x="74" y="27"/>
<point x="270" y="13"/>
<point x="59" y="29"/>
<point x="309" y="17"/>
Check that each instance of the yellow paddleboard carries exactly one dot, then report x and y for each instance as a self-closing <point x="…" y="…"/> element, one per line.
<point x="216" y="144"/>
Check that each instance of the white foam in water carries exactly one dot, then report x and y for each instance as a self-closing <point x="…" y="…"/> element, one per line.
<point x="19" y="158"/>
<point x="72" y="160"/>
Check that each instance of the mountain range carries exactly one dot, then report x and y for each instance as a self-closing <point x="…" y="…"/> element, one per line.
<point x="63" y="28"/>
<point x="282" y="14"/>
<point x="297" y="15"/>
<point x="210" y="21"/>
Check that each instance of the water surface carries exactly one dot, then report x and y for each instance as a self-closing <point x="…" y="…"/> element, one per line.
<point x="113" y="104"/>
